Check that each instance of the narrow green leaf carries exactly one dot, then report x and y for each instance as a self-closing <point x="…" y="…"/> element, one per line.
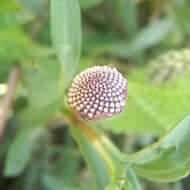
<point x="146" y="38"/>
<point x="169" y="158"/>
<point x="105" y="160"/>
<point x="89" y="3"/>
<point x="66" y="35"/>
<point x="20" y="151"/>
<point x="150" y="36"/>
<point x="55" y="169"/>
<point x="127" y="11"/>
<point x="53" y="183"/>
<point x="93" y="158"/>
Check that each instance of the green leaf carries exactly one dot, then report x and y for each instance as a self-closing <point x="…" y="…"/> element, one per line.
<point x="157" y="107"/>
<point x="35" y="6"/>
<point x="66" y="35"/>
<point x="42" y="85"/>
<point x="13" y="14"/>
<point x="89" y="3"/>
<point x="130" y="183"/>
<point x="15" y="43"/>
<point x="166" y="104"/>
<point x="32" y="179"/>
<point x="10" y="19"/>
<point x="115" y="186"/>
<point x="127" y="11"/>
<point x="19" y="153"/>
<point x="16" y="47"/>
<point x="127" y="121"/>
<point x="99" y="151"/>
<point x="11" y="5"/>
<point x="150" y="36"/>
<point x="180" y="10"/>
<point x="53" y="183"/>
<point x="92" y="157"/>
<point x="145" y="38"/>
<point x="112" y="187"/>
<point x="169" y="158"/>
<point x="55" y="168"/>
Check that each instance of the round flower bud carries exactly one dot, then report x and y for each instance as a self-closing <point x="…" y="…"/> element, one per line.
<point x="97" y="93"/>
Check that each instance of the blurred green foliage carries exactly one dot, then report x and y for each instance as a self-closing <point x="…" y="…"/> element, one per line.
<point x="147" y="40"/>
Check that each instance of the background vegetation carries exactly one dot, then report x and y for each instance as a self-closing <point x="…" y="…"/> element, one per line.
<point x="147" y="40"/>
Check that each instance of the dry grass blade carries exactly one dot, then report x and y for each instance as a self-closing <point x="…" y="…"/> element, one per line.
<point x="8" y="99"/>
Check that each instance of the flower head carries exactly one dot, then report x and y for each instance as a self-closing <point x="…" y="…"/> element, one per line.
<point x="98" y="92"/>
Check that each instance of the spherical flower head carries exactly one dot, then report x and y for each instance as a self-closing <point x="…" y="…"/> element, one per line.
<point x="97" y="93"/>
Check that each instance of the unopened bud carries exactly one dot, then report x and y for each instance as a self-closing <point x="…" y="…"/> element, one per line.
<point x="97" y="93"/>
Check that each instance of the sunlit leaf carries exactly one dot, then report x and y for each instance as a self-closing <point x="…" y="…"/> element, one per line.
<point x="127" y="123"/>
<point x="158" y="107"/>
<point x="166" y="105"/>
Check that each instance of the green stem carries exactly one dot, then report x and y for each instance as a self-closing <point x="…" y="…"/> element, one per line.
<point x="133" y="179"/>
